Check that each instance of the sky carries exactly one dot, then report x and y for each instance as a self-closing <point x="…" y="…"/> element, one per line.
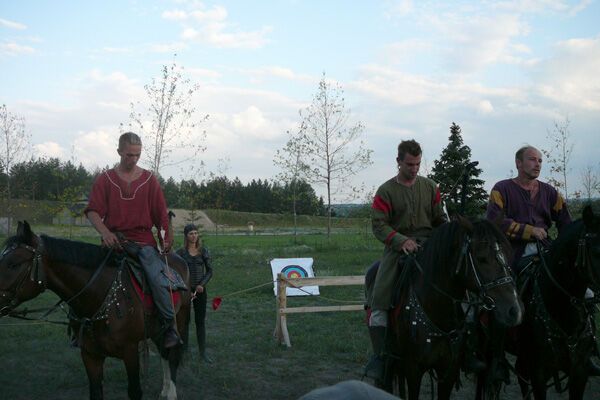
<point x="505" y="71"/>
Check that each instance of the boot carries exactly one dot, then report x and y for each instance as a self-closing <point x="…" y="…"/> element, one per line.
<point x="171" y="338"/>
<point x="376" y="365"/>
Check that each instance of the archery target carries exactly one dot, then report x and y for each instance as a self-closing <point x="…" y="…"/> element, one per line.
<point x="294" y="271"/>
<point x="294" y="268"/>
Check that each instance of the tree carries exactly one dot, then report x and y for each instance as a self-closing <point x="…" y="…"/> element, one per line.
<point x="448" y="170"/>
<point x="558" y="155"/>
<point x="14" y="148"/>
<point x="289" y="159"/>
<point x="169" y="120"/>
<point x="590" y="181"/>
<point x="331" y="155"/>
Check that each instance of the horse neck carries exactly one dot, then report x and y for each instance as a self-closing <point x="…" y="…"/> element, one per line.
<point x="562" y="271"/>
<point x="67" y="280"/>
<point x="428" y="288"/>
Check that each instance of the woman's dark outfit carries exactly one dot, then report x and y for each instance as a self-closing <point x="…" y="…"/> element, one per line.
<point x="200" y="273"/>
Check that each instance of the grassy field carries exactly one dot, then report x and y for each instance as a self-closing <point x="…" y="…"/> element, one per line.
<point x="249" y="364"/>
<point x="37" y="362"/>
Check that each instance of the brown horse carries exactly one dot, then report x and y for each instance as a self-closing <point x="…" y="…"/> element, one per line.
<point x="109" y="312"/>
<point x="429" y="328"/>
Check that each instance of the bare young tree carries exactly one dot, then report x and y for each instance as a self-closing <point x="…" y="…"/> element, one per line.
<point x="331" y="154"/>
<point x="590" y="181"/>
<point x="14" y="148"/>
<point x="559" y="155"/>
<point x="169" y="120"/>
<point x="289" y="159"/>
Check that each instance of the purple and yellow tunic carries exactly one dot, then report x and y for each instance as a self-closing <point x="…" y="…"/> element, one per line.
<point x="518" y="214"/>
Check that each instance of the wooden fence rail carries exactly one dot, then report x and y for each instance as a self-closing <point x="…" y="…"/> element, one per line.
<point x="281" y="331"/>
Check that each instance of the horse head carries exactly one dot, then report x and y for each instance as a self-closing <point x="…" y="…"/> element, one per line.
<point x="20" y="266"/>
<point x="485" y="269"/>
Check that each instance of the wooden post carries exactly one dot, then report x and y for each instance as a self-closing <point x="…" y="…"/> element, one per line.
<point x="281" y="331"/>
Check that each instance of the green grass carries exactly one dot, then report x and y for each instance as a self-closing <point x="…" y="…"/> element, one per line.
<point x="249" y="364"/>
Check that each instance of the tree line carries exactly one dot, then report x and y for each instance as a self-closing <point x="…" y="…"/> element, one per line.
<point x="57" y="180"/>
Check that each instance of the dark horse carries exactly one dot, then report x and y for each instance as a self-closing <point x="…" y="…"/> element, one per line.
<point x="557" y="333"/>
<point x="428" y="330"/>
<point x="100" y="293"/>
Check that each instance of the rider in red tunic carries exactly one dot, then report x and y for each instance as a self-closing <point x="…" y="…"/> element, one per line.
<point x="129" y="200"/>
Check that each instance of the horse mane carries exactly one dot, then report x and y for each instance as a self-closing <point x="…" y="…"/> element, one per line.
<point x="563" y="245"/>
<point x="442" y="249"/>
<point x="72" y="252"/>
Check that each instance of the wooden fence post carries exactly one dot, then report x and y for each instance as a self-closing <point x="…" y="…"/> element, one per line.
<point x="281" y="331"/>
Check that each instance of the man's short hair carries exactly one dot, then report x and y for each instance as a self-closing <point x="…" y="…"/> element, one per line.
<point x="129" y="138"/>
<point x="522" y="150"/>
<point x="411" y="147"/>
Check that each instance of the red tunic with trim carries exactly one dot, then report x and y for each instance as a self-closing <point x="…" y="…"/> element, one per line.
<point x="399" y="211"/>
<point x="132" y="209"/>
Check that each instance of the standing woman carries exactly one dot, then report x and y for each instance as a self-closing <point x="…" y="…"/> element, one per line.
<point x="198" y="260"/>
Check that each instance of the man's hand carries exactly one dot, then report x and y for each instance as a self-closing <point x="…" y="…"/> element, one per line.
<point x="199" y="289"/>
<point x="409" y="246"/>
<point x="539" y="233"/>
<point x="109" y="239"/>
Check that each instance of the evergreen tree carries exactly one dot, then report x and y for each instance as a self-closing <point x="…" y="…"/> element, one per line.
<point x="447" y="173"/>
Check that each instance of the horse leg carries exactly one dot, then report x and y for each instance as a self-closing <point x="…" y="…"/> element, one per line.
<point x="445" y="385"/>
<point x="131" y="360"/>
<point x="577" y="382"/>
<point x="538" y="384"/>
<point x="168" y="390"/>
<point x="522" y="370"/>
<point x="94" y="367"/>
<point x="413" y="381"/>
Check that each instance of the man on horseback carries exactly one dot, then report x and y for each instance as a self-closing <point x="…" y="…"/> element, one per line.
<point x="526" y="209"/>
<point x="404" y="211"/>
<point x="129" y="200"/>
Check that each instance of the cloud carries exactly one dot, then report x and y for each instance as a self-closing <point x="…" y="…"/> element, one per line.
<point x="13" y="49"/>
<point x="12" y="25"/>
<point x="258" y="75"/>
<point x="211" y="26"/>
<point x="570" y="77"/>
<point x="175" y="15"/>
<point x="473" y="43"/>
<point x="168" y="47"/>
<point x="96" y="148"/>
<point x="542" y="6"/>
<point x="49" y="149"/>
<point x="204" y="74"/>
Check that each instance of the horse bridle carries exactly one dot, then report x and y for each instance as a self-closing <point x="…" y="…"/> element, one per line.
<point x="488" y="302"/>
<point x="34" y="270"/>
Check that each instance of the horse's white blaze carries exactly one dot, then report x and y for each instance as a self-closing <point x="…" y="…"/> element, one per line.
<point x="168" y="390"/>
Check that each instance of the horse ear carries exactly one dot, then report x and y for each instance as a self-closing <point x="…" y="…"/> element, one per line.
<point x="27" y="233"/>
<point x="588" y="216"/>
<point x="20" y="229"/>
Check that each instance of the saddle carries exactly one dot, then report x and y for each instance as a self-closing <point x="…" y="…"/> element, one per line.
<point x="170" y="278"/>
